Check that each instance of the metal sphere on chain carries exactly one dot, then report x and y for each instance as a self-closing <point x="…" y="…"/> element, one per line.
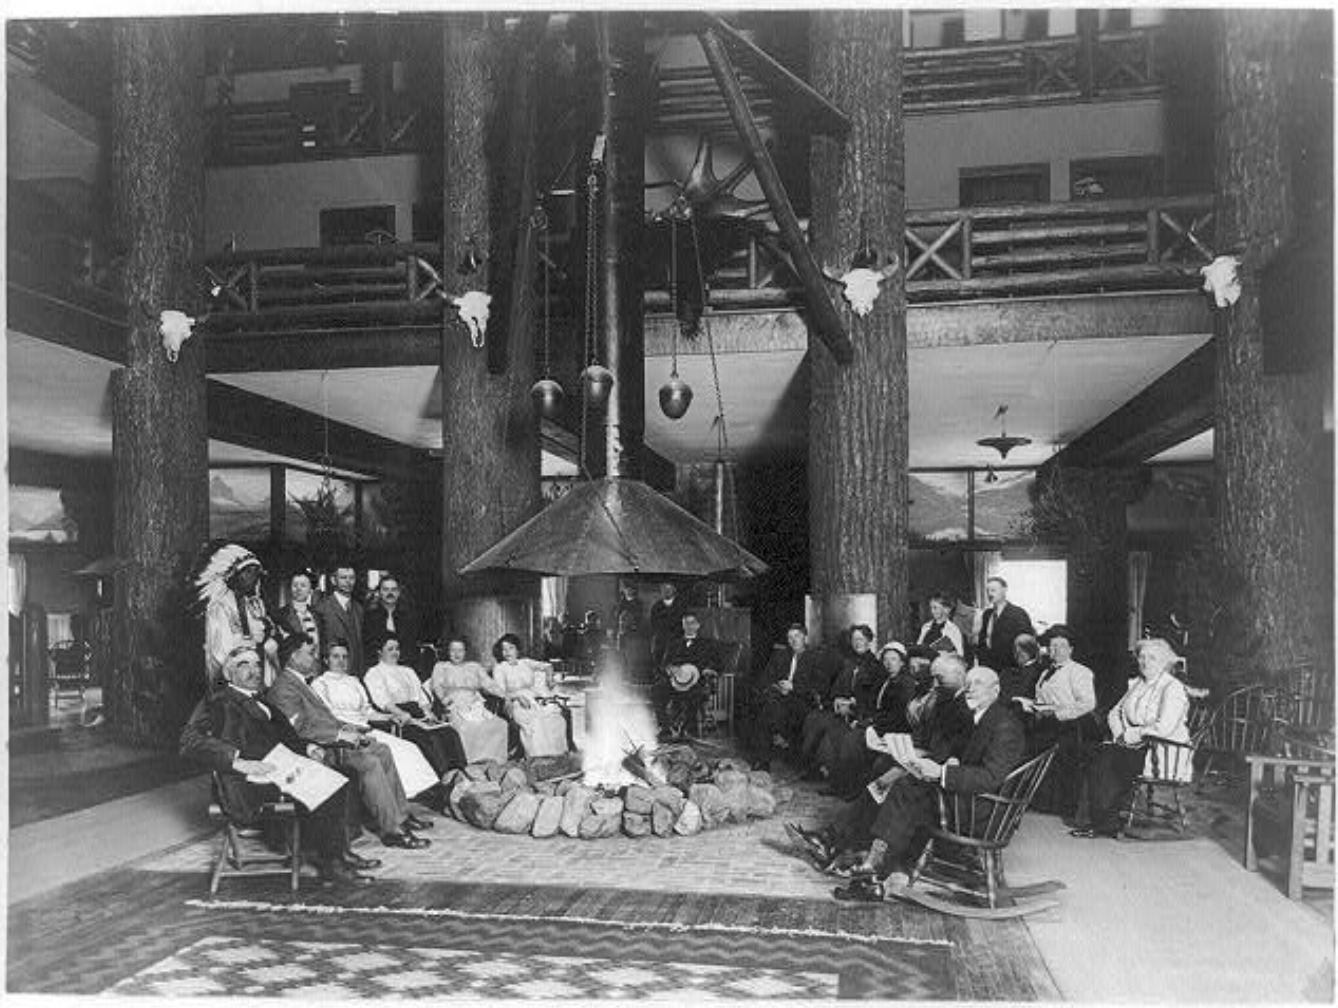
<point x="675" y="397"/>
<point x="598" y="382"/>
<point x="547" y="395"/>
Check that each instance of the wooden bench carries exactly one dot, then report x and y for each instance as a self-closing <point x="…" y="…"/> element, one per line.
<point x="1291" y="814"/>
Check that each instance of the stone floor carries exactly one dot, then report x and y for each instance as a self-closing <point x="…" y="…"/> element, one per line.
<point x="1150" y="921"/>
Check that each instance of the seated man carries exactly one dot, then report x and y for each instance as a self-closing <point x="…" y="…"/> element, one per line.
<point x="347" y="749"/>
<point x="796" y="682"/>
<point x="993" y="750"/>
<point x="940" y="723"/>
<point x="690" y="664"/>
<point x="231" y="731"/>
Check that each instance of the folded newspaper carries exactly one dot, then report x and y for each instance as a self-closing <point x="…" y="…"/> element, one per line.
<point x="299" y="777"/>
<point x="898" y="745"/>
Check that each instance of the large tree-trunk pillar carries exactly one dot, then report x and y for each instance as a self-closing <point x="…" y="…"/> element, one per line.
<point x="490" y="451"/>
<point x="159" y="444"/>
<point x="1267" y="427"/>
<point x="858" y="417"/>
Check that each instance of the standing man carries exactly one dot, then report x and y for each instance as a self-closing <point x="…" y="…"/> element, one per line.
<point x="1000" y="624"/>
<point x="389" y="615"/>
<point x="339" y="616"/>
<point x="229" y="587"/>
<point x="798" y="679"/>
<point x="666" y="616"/>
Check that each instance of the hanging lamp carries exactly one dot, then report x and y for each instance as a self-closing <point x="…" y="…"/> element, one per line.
<point x="596" y="379"/>
<point x="547" y="393"/>
<point x="675" y="394"/>
<point x="1004" y="442"/>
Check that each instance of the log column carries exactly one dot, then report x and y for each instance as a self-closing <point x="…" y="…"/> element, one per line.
<point x="1268" y="441"/>
<point x="858" y="416"/>
<point x="159" y="443"/>
<point x="490" y="448"/>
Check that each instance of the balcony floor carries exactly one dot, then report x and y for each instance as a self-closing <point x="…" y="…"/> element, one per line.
<point x="1149" y="921"/>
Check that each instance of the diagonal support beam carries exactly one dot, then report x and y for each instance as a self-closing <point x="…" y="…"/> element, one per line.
<point x="812" y="109"/>
<point x="825" y="318"/>
<point x="1177" y="406"/>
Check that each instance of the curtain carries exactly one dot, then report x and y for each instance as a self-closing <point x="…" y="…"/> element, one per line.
<point x="1139" y="563"/>
<point x="18" y="583"/>
<point x="552" y="597"/>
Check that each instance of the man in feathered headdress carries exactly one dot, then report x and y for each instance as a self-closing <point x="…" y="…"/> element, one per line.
<point x="234" y="612"/>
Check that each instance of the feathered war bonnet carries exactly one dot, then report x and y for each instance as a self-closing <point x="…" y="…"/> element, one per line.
<point x="212" y="582"/>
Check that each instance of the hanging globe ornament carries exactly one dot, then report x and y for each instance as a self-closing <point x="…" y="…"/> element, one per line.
<point x="548" y="395"/>
<point x="675" y="397"/>
<point x="598" y="382"/>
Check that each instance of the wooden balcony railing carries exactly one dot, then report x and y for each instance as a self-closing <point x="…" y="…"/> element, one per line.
<point x="1001" y="251"/>
<point x="319" y="123"/>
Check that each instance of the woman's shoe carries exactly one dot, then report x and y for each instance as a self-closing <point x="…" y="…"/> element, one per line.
<point x="357" y="862"/>
<point x="405" y="840"/>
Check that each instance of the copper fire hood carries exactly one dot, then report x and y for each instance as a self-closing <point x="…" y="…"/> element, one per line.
<point x="617" y="524"/>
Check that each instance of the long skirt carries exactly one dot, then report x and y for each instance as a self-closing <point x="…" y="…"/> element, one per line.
<point x="483" y="738"/>
<point x="543" y="729"/>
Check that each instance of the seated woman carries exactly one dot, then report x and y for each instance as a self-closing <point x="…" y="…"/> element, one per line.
<point x="1059" y="712"/>
<point x="1154" y="707"/>
<point x="853" y="691"/>
<point x="849" y="759"/>
<point x="397" y="690"/>
<point x="459" y="686"/>
<point x="544" y="724"/>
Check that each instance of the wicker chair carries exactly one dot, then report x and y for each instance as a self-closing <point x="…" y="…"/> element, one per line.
<point x="980" y="825"/>
<point x="1170" y="767"/>
<point x="243" y="850"/>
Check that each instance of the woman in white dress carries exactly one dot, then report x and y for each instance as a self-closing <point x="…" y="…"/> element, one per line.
<point x="459" y="685"/>
<point x="545" y="726"/>
<point x="397" y="690"/>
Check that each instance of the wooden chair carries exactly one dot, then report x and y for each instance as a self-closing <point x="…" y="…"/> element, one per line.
<point x="981" y="825"/>
<point x="1239" y="727"/>
<point x="1291" y="814"/>
<point x="1169" y="767"/>
<point x="243" y="850"/>
<point x="70" y="674"/>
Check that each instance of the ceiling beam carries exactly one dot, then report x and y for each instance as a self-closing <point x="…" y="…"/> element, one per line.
<point x="1174" y="408"/>
<point x="254" y="421"/>
<point x="36" y="468"/>
<point x="47" y="316"/>
<point x="323" y="349"/>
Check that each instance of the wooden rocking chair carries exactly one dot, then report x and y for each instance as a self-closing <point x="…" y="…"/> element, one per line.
<point x="1170" y="767"/>
<point x="980" y="826"/>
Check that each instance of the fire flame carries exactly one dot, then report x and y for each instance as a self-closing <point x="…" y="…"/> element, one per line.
<point x="620" y="729"/>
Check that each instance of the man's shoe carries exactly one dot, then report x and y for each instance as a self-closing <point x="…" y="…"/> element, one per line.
<point x="860" y="890"/>
<point x="406" y="840"/>
<point x="357" y="862"/>
<point x="332" y="872"/>
<point x="419" y="825"/>
<point x="812" y="842"/>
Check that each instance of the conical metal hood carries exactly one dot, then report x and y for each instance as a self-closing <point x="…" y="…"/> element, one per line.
<point x="617" y="526"/>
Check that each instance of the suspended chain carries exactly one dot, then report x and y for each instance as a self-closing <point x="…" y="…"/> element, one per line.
<point x="591" y="298"/>
<point x="327" y="464"/>
<point x="710" y="340"/>
<point x="673" y="289"/>
<point x="539" y="221"/>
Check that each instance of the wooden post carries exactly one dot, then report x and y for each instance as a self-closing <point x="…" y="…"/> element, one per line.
<point x="858" y="417"/>
<point x="1270" y="452"/>
<point x="490" y="453"/>
<point x="159" y="443"/>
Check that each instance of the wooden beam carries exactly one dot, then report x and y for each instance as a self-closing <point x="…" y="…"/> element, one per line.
<point x="324" y="349"/>
<point x="1177" y="406"/>
<point x="60" y="320"/>
<point x="963" y="323"/>
<point x="825" y="319"/>
<point x="811" y="108"/>
<point x="254" y="421"/>
<point x="43" y="469"/>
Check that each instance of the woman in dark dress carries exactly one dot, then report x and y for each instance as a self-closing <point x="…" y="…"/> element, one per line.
<point x="853" y="693"/>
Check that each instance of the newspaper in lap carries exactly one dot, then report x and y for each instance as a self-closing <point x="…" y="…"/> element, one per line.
<point x="303" y="779"/>
<point x="899" y="746"/>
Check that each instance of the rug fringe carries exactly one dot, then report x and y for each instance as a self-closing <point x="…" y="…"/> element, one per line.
<point x="319" y="908"/>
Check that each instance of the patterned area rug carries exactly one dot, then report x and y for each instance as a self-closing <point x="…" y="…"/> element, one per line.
<point x="242" y="966"/>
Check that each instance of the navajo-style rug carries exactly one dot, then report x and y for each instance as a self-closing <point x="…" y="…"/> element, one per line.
<point x="148" y="933"/>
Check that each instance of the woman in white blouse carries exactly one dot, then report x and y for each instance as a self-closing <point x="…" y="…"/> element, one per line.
<point x="1154" y="707"/>
<point x="397" y="690"/>
<point x="1060" y="713"/>
<point x="460" y="685"/>
<point x="544" y="725"/>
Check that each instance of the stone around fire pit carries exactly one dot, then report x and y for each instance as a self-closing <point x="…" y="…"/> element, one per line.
<point x="516" y="798"/>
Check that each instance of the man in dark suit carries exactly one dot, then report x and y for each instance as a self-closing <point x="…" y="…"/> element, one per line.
<point x="299" y="615"/>
<point x="339" y="615"/>
<point x="389" y="615"/>
<point x="677" y="694"/>
<point x="1000" y="624"/>
<point x="796" y="681"/>
<point x="666" y="618"/>
<point x="995" y="747"/>
<point x="231" y="731"/>
<point x="344" y="747"/>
